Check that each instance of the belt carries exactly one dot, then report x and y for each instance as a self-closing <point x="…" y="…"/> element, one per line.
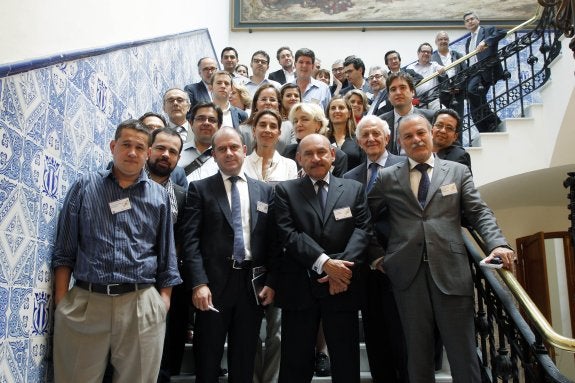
<point x="241" y="265"/>
<point x="112" y="289"/>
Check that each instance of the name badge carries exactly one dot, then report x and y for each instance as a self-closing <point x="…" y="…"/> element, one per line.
<point x="315" y="100"/>
<point x="120" y="205"/>
<point x="448" y="189"/>
<point x="262" y="207"/>
<point x="343" y="213"/>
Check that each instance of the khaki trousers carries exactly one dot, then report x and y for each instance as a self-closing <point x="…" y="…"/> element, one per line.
<point x="90" y="326"/>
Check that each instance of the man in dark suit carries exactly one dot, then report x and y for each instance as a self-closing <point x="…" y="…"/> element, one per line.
<point x="323" y="226"/>
<point x="450" y="93"/>
<point x="164" y="154"/>
<point x="485" y="40"/>
<point x="380" y="103"/>
<point x="287" y="72"/>
<point x="422" y="199"/>
<point x="228" y="238"/>
<point x="401" y="90"/>
<point x="393" y="62"/>
<point x="446" y="127"/>
<point x="381" y="324"/>
<point x="221" y="90"/>
<point x="200" y="91"/>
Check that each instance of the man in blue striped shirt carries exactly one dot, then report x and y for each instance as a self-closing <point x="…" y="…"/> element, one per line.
<point x="115" y="235"/>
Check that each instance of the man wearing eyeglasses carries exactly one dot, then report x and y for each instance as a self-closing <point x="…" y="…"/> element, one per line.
<point x="176" y="106"/>
<point x="260" y="65"/>
<point x="485" y="40"/>
<point x="200" y="91"/>
<point x="205" y="119"/>
<point x="339" y="79"/>
<point x="354" y="69"/>
<point x="445" y="131"/>
<point x="427" y="93"/>
<point x="380" y="104"/>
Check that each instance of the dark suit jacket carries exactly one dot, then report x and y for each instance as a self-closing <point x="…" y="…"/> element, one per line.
<point x="355" y="155"/>
<point x="437" y="226"/>
<point x="359" y="173"/>
<point x="455" y="153"/>
<point x="197" y="93"/>
<point x="278" y="76"/>
<point x="339" y="165"/>
<point x="389" y="117"/>
<point x="491" y="35"/>
<point x="381" y="103"/>
<point x="305" y="234"/>
<point x="238" y="117"/>
<point x="208" y="234"/>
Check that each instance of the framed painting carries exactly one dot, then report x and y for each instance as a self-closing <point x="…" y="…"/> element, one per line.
<point x="364" y="14"/>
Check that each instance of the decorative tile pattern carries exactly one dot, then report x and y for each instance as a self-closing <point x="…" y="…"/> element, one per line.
<point x="55" y="124"/>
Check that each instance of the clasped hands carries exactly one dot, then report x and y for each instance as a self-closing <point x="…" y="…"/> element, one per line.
<point x="339" y="275"/>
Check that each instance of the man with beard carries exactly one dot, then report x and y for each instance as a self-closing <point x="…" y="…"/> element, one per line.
<point x="287" y="72"/>
<point x="165" y="151"/>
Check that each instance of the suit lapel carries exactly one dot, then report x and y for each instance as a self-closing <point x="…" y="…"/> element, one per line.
<point x="402" y="178"/>
<point x="335" y="189"/>
<point x="309" y="194"/>
<point x="439" y="173"/>
<point x="254" y="194"/>
<point x="222" y="197"/>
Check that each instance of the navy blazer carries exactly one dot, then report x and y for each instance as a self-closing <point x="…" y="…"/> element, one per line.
<point x="208" y="234"/>
<point x="491" y="35"/>
<point x="238" y="117"/>
<point x="197" y="93"/>
<point x="278" y="76"/>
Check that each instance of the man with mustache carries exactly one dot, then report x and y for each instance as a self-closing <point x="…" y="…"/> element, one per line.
<point x="423" y="199"/>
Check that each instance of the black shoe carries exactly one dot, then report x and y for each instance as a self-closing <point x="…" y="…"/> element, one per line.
<point x="322" y="367"/>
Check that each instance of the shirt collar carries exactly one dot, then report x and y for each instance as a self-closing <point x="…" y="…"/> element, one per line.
<point x="380" y="161"/>
<point x="326" y="179"/>
<point x="430" y="161"/>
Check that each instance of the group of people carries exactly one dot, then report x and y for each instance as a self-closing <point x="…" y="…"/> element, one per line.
<point x="310" y="206"/>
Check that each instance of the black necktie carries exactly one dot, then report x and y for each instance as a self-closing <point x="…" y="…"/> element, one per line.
<point x="423" y="183"/>
<point x="373" y="168"/>
<point x="239" y="251"/>
<point x="321" y="194"/>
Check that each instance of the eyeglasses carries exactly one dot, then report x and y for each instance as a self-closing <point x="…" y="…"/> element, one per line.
<point x="447" y="128"/>
<point x="374" y="77"/>
<point x="260" y="61"/>
<point x="201" y="119"/>
<point x="425" y="52"/>
<point x="178" y="100"/>
<point x="337" y="70"/>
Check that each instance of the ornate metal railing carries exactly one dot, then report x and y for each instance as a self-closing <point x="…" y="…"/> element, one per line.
<point x="509" y="348"/>
<point x="525" y="60"/>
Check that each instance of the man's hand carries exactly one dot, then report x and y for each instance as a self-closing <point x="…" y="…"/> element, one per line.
<point x="202" y="297"/>
<point x="165" y="294"/>
<point x="266" y="295"/>
<point x="507" y="256"/>
<point x="338" y="270"/>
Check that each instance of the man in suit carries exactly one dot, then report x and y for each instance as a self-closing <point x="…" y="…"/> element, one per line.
<point x="401" y="90"/>
<point x="450" y="93"/>
<point x="393" y="62"/>
<point x="485" y="40"/>
<point x="380" y="104"/>
<point x="164" y="154"/>
<point x="324" y="229"/>
<point x="221" y="90"/>
<point x="177" y="106"/>
<point x="287" y="72"/>
<point x="228" y="238"/>
<point x="425" y="258"/>
<point x="381" y="324"/>
<point x="200" y="91"/>
<point x="446" y="127"/>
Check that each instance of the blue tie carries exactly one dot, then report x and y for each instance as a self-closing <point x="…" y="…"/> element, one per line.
<point x="423" y="183"/>
<point x="373" y="168"/>
<point x="321" y="195"/>
<point x="239" y="248"/>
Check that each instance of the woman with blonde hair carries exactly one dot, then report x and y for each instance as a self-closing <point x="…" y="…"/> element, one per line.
<point x="240" y="97"/>
<point x="308" y="118"/>
<point x="358" y="101"/>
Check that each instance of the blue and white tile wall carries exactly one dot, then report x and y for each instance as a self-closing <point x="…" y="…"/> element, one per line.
<point x="55" y="124"/>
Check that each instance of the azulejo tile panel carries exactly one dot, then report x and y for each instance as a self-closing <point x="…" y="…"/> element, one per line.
<point x="56" y="123"/>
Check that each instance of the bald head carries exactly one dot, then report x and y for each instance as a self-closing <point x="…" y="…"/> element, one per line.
<point x="315" y="155"/>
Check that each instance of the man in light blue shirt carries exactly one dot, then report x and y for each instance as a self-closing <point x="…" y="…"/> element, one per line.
<point x="115" y="235"/>
<point x="312" y="90"/>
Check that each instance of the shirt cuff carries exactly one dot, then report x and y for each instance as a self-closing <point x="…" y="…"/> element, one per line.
<point x="318" y="264"/>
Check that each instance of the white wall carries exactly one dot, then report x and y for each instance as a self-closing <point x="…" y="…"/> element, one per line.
<point x="38" y="29"/>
